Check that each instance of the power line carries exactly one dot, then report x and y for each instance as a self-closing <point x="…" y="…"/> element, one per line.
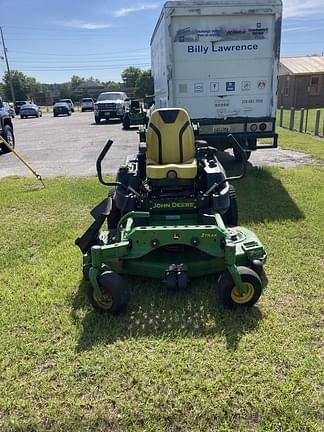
<point x="82" y="68"/>
<point x="78" y="61"/>
<point x="80" y="55"/>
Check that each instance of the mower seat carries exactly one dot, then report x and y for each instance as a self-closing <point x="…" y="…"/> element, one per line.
<point x="135" y="106"/>
<point x="170" y="145"/>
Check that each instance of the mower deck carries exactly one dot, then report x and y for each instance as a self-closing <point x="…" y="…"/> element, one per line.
<point x="152" y="249"/>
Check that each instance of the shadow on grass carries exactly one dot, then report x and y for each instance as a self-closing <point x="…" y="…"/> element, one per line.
<point x="155" y="312"/>
<point x="261" y="196"/>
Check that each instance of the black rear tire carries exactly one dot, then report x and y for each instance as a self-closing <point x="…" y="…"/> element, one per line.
<point x="8" y="135"/>
<point x="115" y="214"/>
<point x="114" y="293"/>
<point x="228" y="294"/>
<point x="230" y="218"/>
<point x="126" y="122"/>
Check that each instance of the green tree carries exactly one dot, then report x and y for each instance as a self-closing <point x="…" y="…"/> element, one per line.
<point x="2" y="90"/>
<point x="130" y="75"/>
<point x="76" y="81"/>
<point x="112" y="85"/>
<point x="24" y="86"/>
<point x="144" y="84"/>
<point x="66" y="90"/>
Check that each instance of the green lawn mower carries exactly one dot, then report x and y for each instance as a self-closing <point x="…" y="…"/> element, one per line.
<point x="172" y="215"/>
<point x="135" y="115"/>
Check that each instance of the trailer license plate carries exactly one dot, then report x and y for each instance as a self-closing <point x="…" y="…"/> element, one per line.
<point x="220" y="129"/>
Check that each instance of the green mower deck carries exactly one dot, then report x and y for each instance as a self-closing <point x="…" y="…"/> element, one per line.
<point x="182" y="251"/>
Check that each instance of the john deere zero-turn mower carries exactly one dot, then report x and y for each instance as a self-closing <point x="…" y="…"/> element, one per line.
<point x="135" y="115"/>
<point x="171" y="215"/>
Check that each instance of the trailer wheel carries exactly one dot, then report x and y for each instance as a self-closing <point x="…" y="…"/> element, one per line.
<point x="230" y="218"/>
<point x="113" y="295"/>
<point x="228" y="293"/>
<point x="238" y="157"/>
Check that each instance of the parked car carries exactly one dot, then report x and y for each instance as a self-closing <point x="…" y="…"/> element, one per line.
<point x="19" y="104"/>
<point x="30" y="110"/>
<point x="6" y="129"/>
<point x="87" y="104"/>
<point x="111" y="105"/>
<point x="61" y="108"/>
<point x="69" y="102"/>
<point x="9" y="107"/>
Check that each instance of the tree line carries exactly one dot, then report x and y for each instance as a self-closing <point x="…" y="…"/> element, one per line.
<point x="25" y="86"/>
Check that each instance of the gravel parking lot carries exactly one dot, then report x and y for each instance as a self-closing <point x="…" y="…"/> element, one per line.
<point x="69" y="146"/>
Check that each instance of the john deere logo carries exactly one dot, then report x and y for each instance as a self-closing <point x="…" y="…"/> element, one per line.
<point x="173" y="205"/>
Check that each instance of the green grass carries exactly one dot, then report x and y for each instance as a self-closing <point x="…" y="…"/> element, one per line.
<point x="174" y="361"/>
<point x="301" y="142"/>
<point x="310" y="128"/>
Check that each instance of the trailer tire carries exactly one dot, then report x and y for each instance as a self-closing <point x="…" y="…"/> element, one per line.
<point x="238" y="157"/>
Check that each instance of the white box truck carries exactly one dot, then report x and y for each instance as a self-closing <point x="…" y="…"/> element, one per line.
<point x="219" y="60"/>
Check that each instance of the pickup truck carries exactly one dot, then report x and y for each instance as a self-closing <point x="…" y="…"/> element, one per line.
<point x="110" y="105"/>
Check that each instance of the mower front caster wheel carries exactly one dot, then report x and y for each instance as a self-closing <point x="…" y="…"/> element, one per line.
<point x="228" y="293"/>
<point x="113" y="293"/>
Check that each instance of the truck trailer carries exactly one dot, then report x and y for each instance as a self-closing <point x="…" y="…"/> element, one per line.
<point x="219" y="60"/>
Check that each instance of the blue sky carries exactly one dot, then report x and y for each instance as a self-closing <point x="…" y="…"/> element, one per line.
<point x="53" y="40"/>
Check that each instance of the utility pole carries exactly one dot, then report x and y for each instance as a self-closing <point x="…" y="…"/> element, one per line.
<point x="8" y="69"/>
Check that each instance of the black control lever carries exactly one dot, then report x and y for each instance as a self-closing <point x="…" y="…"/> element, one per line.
<point x="101" y="156"/>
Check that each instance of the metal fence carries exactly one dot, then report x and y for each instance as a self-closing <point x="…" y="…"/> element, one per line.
<point x="302" y="120"/>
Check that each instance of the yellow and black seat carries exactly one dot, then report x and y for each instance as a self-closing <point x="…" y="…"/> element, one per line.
<point x="170" y="145"/>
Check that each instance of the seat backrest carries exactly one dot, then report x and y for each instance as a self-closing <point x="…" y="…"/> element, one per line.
<point x="170" y="137"/>
<point x="135" y="105"/>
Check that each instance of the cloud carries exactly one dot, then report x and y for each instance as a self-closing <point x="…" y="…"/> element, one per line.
<point x="295" y="29"/>
<point x="125" y="11"/>
<point x="302" y="8"/>
<point x="85" y="25"/>
<point x="301" y="28"/>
